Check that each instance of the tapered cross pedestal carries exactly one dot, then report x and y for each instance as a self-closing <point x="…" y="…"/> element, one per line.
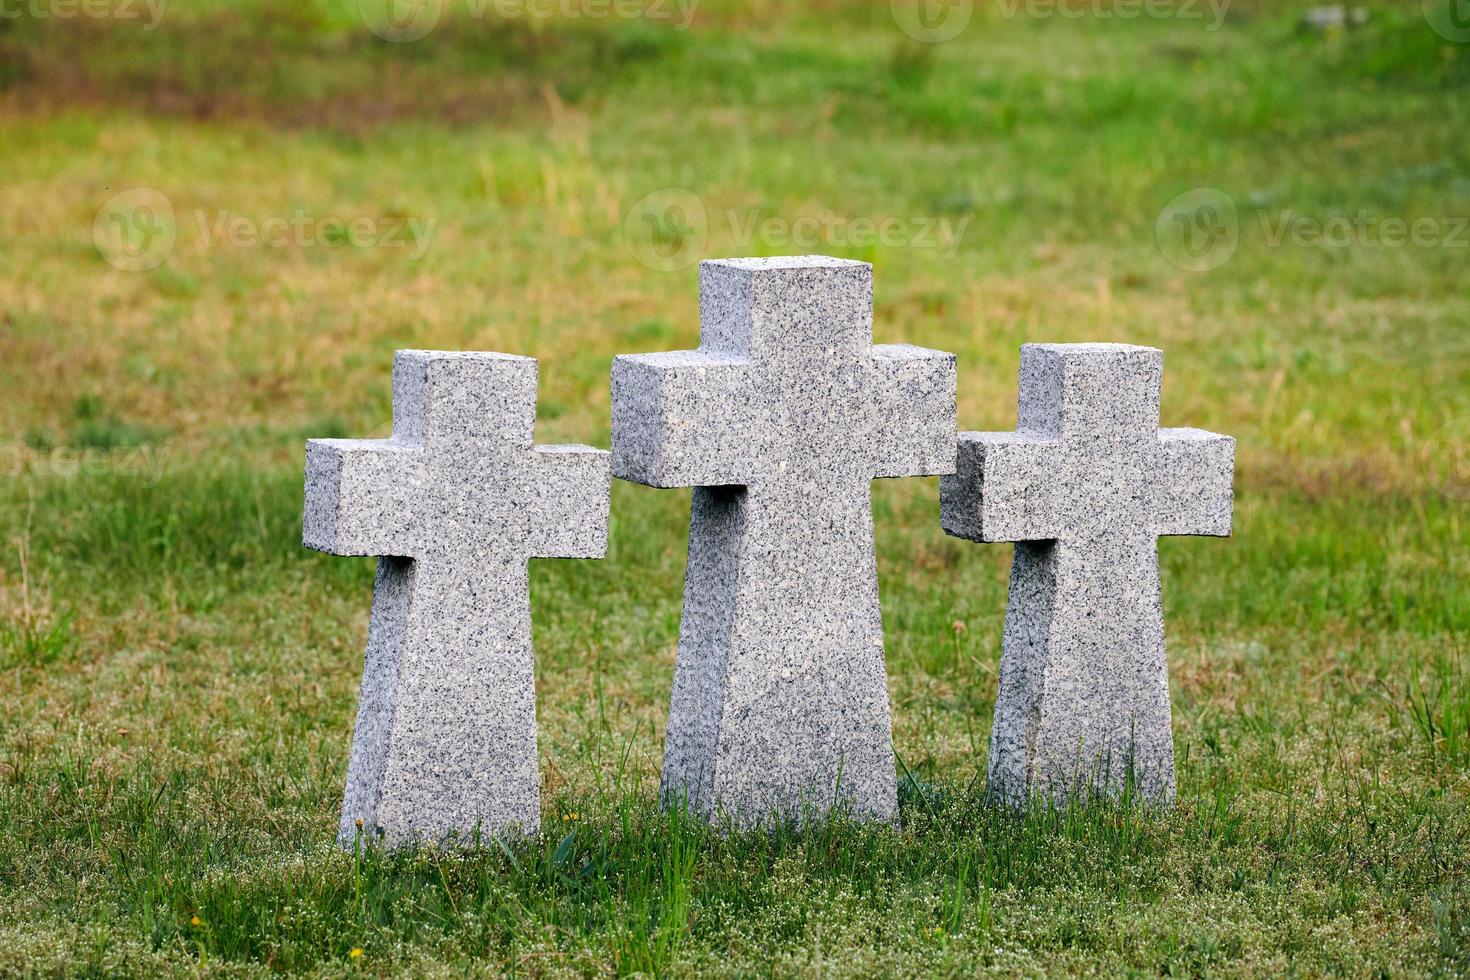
<point x="456" y="502"/>
<point x="780" y="421"/>
<point x="1085" y="486"/>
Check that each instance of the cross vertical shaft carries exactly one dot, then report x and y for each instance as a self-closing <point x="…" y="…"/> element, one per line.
<point x="779" y="421"/>
<point x="1084" y="487"/>
<point x="455" y="504"/>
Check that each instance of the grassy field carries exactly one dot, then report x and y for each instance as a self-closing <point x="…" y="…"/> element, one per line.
<point x="178" y="677"/>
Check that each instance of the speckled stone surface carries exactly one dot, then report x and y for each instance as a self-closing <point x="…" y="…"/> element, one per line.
<point x="780" y="421"/>
<point x="1085" y="486"/>
<point x="455" y="503"/>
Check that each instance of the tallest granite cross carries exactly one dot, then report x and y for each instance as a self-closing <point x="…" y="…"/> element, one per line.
<point x="780" y="421"/>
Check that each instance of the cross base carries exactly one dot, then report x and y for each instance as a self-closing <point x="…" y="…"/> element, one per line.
<point x="780" y="704"/>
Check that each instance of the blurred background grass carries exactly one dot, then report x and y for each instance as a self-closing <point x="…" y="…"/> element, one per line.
<point x="179" y="677"/>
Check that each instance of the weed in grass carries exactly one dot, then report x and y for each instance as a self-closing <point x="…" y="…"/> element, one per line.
<point x="31" y="641"/>
<point x="1439" y="709"/>
<point x="31" y="633"/>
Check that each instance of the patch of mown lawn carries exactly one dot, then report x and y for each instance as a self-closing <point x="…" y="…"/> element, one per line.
<point x="178" y="677"/>
<point x="186" y="863"/>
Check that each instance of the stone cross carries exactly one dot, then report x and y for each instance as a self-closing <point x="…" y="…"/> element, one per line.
<point x="1084" y="487"/>
<point x="455" y="503"/>
<point x="780" y="421"/>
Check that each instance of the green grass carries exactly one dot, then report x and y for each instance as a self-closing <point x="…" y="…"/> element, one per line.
<point x="178" y="677"/>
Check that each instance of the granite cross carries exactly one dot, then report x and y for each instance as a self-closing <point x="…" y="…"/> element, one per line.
<point x="1084" y="487"/>
<point x="455" y="503"/>
<point x="780" y="421"/>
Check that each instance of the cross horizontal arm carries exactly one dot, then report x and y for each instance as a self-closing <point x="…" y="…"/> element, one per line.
<point x="683" y="419"/>
<point x="1194" y="488"/>
<point x="569" y="509"/>
<point x="362" y="496"/>
<point x="1003" y="489"/>
<point x="913" y="425"/>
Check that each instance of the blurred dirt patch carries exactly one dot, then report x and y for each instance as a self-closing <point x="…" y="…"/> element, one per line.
<point x="284" y="67"/>
<point x="1375" y="475"/>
